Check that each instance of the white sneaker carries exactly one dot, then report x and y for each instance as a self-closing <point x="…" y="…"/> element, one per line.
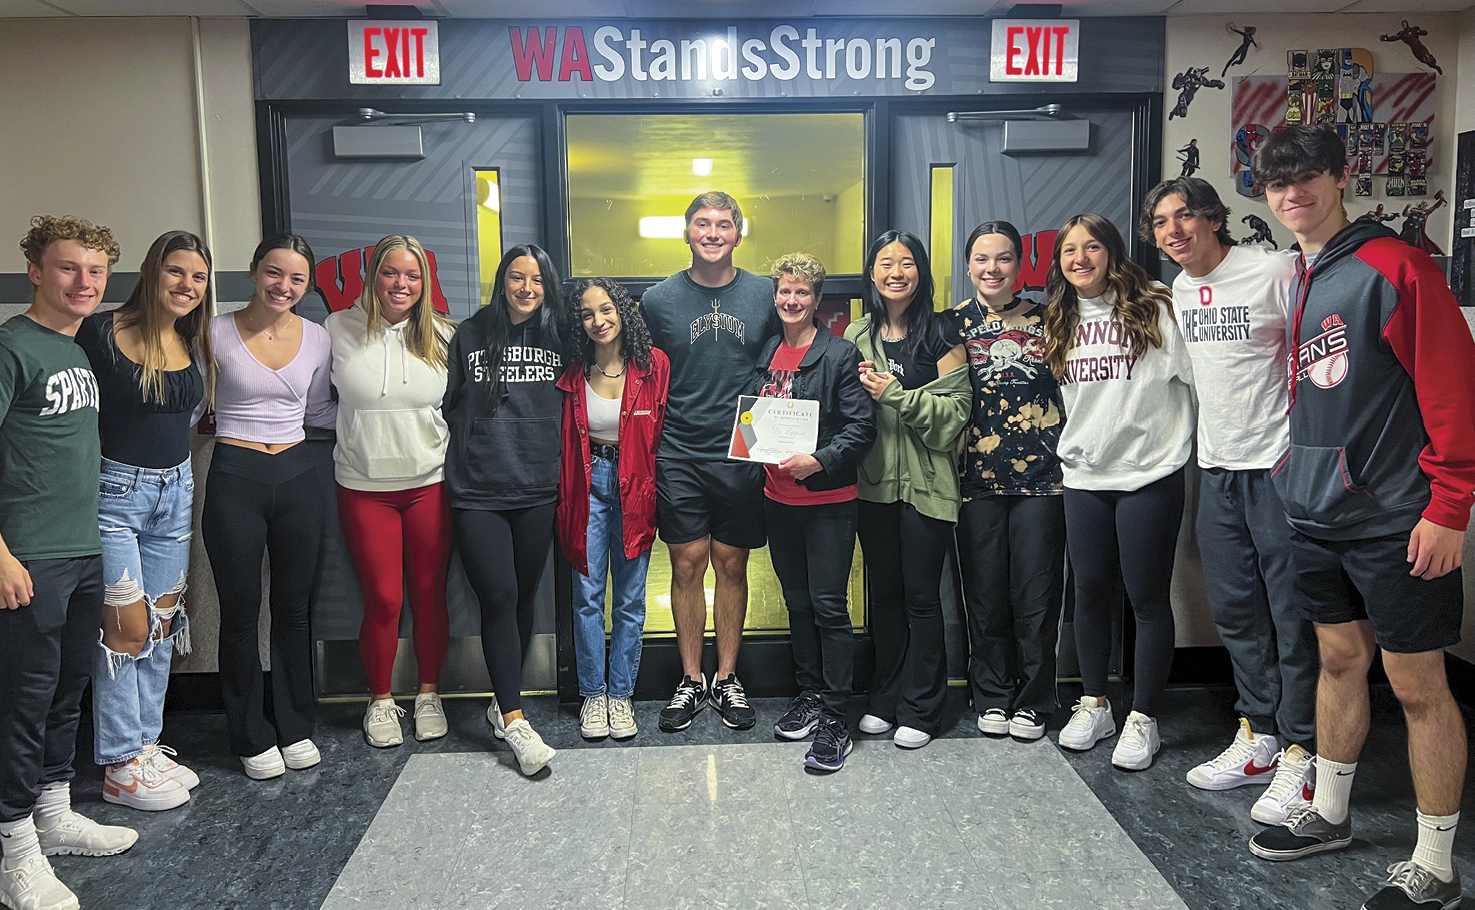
<point x="265" y="766"/>
<point x="430" y="717"/>
<point x="1250" y="759"/>
<point x="1293" y="787"/>
<point x="381" y="723"/>
<point x="139" y="785"/>
<point x="874" y="725"/>
<point x="301" y="755"/>
<point x="910" y="738"/>
<point x="78" y="835"/>
<point x="1138" y="743"/>
<point x="1089" y="725"/>
<point x="622" y="718"/>
<point x="994" y="722"/>
<point x="162" y="758"/>
<point x="31" y="885"/>
<point x="494" y="717"/>
<point x="594" y="718"/>
<point x="533" y="755"/>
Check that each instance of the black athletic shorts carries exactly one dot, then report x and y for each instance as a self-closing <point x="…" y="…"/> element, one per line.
<point x="720" y="498"/>
<point x="1408" y="614"/>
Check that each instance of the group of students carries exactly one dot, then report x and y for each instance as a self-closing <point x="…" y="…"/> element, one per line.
<point x="1330" y="392"/>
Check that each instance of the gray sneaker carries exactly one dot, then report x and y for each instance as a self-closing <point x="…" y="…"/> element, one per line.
<point x="1305" y="832"/>
<point x="1412" y="887"/>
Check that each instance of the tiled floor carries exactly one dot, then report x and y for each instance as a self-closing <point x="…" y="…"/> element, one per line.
<point x="965" y="822"/>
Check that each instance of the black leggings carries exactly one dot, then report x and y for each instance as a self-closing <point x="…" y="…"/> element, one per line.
<point x="504" y="554"/>
<point x="904" y="551"/>
<point x="1132" y="536"/>
<point x="256" y="504"/>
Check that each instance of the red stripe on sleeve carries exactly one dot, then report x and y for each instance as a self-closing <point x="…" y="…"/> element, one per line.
<point x="1430" y="337"/>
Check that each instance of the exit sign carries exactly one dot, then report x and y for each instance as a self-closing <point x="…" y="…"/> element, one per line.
<point x="393" y="53"/>
<point x="1035" y="50"/>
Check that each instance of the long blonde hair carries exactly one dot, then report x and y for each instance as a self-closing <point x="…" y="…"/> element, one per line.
<point x="145" y="311"/>
<point x="427" y="332"/>
<point x="1135" y="306"/>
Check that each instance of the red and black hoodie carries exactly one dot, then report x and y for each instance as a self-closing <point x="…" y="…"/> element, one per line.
<point x="1382" y="389"/>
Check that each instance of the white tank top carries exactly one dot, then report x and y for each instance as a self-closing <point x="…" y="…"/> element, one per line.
<point x="603" y="413"/>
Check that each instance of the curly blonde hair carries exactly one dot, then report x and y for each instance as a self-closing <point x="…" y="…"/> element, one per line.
<point x="48" y="229"/>
<point x="800" y="267"/>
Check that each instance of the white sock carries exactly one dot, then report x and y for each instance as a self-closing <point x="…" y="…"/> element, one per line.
<point x="18" y="840"/>
<point x="1333" y="789"/>
<point x="54" y="803"/>
<point x="1436" y="840"/>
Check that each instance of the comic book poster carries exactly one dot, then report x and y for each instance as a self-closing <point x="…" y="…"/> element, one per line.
<point x="1397" y="137"/>
<point x="1393" y="186"/>
<point x="1362" y="185"/>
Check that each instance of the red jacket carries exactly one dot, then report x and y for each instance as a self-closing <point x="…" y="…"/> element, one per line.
<point x="642" y="414"/>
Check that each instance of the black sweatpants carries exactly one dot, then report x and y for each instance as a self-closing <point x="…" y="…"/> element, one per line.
<point x="812" y="548"/>
<point x="257" y="504"/>
<point x="904" y="551"/>
<point x="1011" y="550"/>
<point x="46" y="652"/>
<point x="1134" y="534"/>
<point x="504" y="554"/>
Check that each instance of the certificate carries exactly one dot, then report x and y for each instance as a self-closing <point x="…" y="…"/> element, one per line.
<point x="771" y="429"/>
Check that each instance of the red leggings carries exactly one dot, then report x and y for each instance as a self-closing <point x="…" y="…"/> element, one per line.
<point x="392" y="536"/>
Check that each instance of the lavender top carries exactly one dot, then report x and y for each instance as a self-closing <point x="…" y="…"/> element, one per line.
<point x="257" y="404"/>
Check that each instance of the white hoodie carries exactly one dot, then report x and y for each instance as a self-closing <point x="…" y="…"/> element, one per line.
<point x="1127" y="423"/>
<point x="391" y="435"/>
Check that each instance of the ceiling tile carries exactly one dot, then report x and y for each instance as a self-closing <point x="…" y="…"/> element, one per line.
<point x="1407" y="6"/>
<point x="154" y="7"/>
<point x="1239" y="7"/>
<point x="288" y="9"/>
<point x="28" y="9"/>
<point x="1081" y="9"/>
<point x="928" y="8"/>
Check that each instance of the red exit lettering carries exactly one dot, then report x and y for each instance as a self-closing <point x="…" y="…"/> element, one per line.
<point x="403" y="50"/>
<point x="1045" y="52"/>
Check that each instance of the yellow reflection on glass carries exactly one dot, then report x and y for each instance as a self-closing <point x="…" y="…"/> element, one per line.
<point x="799" y="178"/>
<point x="488" y="228"/>
<point x="940" y="243"/>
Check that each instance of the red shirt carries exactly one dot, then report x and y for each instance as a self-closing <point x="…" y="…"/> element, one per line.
<point x="780" y="487"/>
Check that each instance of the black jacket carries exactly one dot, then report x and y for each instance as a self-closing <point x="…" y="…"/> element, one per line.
<point x="504" y="448"/>
<point x="830" y="375"/>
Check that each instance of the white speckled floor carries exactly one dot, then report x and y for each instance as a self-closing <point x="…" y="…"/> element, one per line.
<point x="962" y="823"/>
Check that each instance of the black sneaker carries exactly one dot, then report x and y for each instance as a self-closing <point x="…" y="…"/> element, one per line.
<point x="831" y="745"/>
<point x="690" y="698"/>
<point x="731" y="702"/>
<point x="1412" y="887"/>
<point x="1305" y="832"/>
<point x="799" y="720"/>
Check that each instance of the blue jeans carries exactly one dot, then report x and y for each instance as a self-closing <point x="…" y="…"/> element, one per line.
<point x="627" y="613"/>
<point x="144" y="515"/>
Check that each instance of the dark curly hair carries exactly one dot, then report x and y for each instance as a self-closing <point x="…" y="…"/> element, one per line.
<point x="634" y="335"/>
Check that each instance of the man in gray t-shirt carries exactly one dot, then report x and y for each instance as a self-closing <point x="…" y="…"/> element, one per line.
<point x="711" y="321"/>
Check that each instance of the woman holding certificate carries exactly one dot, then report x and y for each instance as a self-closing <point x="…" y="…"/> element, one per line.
<point x="908" y="484"/>
<point x="810" y="505"/>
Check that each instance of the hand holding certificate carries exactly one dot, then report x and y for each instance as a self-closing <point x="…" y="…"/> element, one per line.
<point x="769" y="430"/>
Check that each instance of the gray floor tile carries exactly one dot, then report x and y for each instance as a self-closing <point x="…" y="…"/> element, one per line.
<point x="742" y="775"/>
<point x="963" y="891"/>
<point x="516" y="896"/>
<point x="1104" y="889"/>
<point x="755" y="894"/>
<point x="717" y="842"/>
<point x="1033" y="837"/>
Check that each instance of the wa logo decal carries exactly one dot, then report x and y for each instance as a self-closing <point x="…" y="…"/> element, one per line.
<point x="1324" y="358"/>
<point x="341" y="280"/>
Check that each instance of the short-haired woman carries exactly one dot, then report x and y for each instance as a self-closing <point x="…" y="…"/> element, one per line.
<point x="263" y="495"/>
<point x="614" y="406"/>
<point x="389" y="367"/>
<point x="809" y="503"/>
<point x="1112" y="341"/>
<point x="153" y="363"/>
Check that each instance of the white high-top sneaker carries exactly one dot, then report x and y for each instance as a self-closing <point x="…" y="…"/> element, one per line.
<point x="1249" y="759"/>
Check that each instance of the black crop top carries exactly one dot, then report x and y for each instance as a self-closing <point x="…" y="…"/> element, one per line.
<point x="144" y="434"/>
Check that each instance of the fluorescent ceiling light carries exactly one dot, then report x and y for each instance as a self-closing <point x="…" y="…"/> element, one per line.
<point x="494" y="196"/>
<point x="663" y="227"/>
<point x="702" y="167"/>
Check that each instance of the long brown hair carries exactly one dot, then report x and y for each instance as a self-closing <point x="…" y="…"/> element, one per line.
<point x="1136" y="296"/>
<point x="427" y="331"/>
<point x="145" y="311"/>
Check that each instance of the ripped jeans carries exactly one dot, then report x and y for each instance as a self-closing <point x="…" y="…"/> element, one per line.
<point x="144" y="516"/>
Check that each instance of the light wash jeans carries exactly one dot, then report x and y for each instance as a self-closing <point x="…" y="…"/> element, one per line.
<point x="627" y="614"/>
<point x="144" y="515"/>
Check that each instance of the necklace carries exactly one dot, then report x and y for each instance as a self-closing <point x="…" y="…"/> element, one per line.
<point x="623" y="368"/>
<point x="270" y="335"/>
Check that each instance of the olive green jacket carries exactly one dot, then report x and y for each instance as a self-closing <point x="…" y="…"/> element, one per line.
<point x="918" y="439"/>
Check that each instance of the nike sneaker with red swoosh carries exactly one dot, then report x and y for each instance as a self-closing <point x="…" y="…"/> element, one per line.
<point x="1250" y="759"/>
<point x="1293" y="787"/>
